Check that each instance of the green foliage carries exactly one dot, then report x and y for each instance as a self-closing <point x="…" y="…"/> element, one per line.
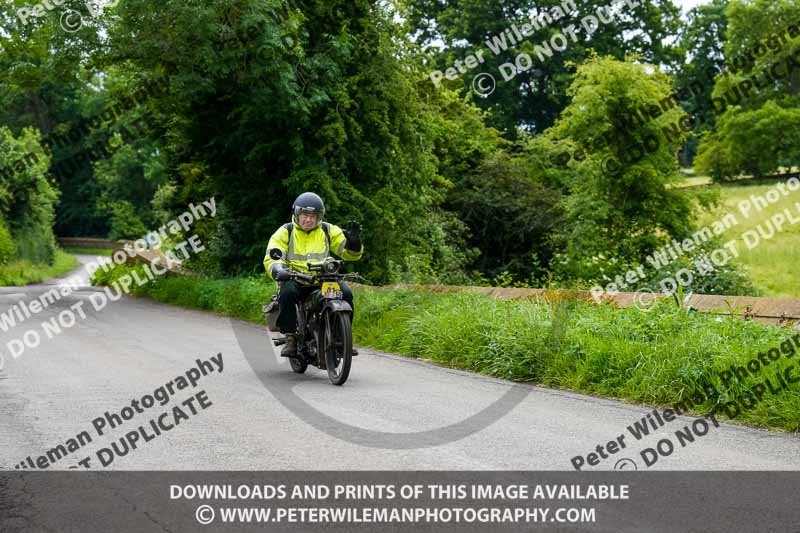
<point x="7" y="247"/>
<point x="599" y="350"/>
<point x="512" y="213"/>
<point x="128" y="182"/>
<point x="533" y="99"/>
<point x="263" y="101"/>
<point x="756" y="142"/>
<point x="239" y="297"/>
<point x="714" y="158"/>
<point x="624" y="214"/>
<point x="27" y="199"/>
<point x="89" y="251"/>
<point x="43" y="85"/>
<point x="157" y="104"/>
<point x="703" y="39"/>
<point x="758" y="131"/>
<point x="125" y="223"/>
<point x="19" y="272"/>
<point x="729" y="278"/>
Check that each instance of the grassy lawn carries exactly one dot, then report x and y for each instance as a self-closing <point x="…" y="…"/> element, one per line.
<point x="695" y="181"/>
<point x="24" y="272"/>
<point x="89" y="251"/>
<point x="772" y="264"/>
<point x="691" y="180"/>
<point x="658" y="358"/>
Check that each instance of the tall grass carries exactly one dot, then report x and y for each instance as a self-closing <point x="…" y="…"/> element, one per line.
<point x="657" y="358"/>
<point x="21" y="272"/>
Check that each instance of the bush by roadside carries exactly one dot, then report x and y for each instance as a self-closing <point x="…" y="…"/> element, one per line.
<point x="19" y="272"/>
<point x="238" y="297"/>
<point x="657" y="358"/>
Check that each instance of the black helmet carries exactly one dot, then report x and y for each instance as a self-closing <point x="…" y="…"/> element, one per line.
<point x="310" y="203"/>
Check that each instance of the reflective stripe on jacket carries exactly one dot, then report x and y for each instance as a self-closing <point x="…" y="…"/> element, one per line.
<point x="302" y="247"/>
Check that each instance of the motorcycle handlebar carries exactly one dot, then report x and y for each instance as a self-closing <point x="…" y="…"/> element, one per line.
<point x="299" y="275"/>
<point x="310" y="278"/>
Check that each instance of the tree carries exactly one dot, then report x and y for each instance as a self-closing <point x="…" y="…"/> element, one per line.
<point x="512" y="215"/>
<point x="27" y="199"/>
<point x="626" y="211"/>
<point x="264" y="100"/>
<point x="756" y="142"/>
<point x="46" y="82"/>
<point x="533" y="98"/>
<point x="759" y="95"/>
<point x="702" y="38"/>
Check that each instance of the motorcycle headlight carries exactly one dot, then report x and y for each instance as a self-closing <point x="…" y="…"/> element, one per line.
<point x="330" y="268"/>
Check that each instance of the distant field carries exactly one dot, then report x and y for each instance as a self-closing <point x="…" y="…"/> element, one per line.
<point x="692" y="180"/>
<point x="772" y="264"/>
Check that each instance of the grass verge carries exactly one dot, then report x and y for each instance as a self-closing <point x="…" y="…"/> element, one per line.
<point x="90" y="251"/>
<point x="663" y="357"/>
<point x="23" y="272"/>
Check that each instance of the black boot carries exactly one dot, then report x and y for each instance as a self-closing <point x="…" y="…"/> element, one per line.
<point x="290" y="348"/>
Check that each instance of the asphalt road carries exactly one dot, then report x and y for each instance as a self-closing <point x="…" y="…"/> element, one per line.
<point x="51" y="393"/>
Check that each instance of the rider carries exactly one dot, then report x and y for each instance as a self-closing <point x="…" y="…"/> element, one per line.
<point x="307" y="239"/>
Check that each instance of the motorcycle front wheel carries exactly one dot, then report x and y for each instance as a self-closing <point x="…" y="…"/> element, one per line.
<point x="299" y="365"/>
<point x="338" y="346"/>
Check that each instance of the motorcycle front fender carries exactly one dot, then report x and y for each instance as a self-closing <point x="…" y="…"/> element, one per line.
<point x="336" y="306"/>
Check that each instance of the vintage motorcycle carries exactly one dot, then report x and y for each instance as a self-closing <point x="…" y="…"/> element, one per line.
<point x="324" y="321"/>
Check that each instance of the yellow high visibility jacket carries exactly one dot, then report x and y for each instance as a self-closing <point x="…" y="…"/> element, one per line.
<point x="301" y="247"/>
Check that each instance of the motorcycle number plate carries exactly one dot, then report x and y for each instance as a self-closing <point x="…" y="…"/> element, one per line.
<point x="331" y="289"/>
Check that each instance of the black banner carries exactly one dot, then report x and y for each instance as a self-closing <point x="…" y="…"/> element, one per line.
<point x="399" y="501"/>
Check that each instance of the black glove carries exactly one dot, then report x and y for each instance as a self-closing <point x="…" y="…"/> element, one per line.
<point x="352" y="231"/>
<point x="280" y="272"/>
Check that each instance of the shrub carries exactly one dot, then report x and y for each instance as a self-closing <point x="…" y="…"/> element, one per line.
<point x="7" y="247"/>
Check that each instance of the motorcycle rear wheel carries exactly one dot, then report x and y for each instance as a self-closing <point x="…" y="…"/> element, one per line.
<point x="338" y="347"/>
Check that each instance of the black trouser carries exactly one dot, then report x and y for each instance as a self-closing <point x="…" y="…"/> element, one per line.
<point x="292" y="293"/>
